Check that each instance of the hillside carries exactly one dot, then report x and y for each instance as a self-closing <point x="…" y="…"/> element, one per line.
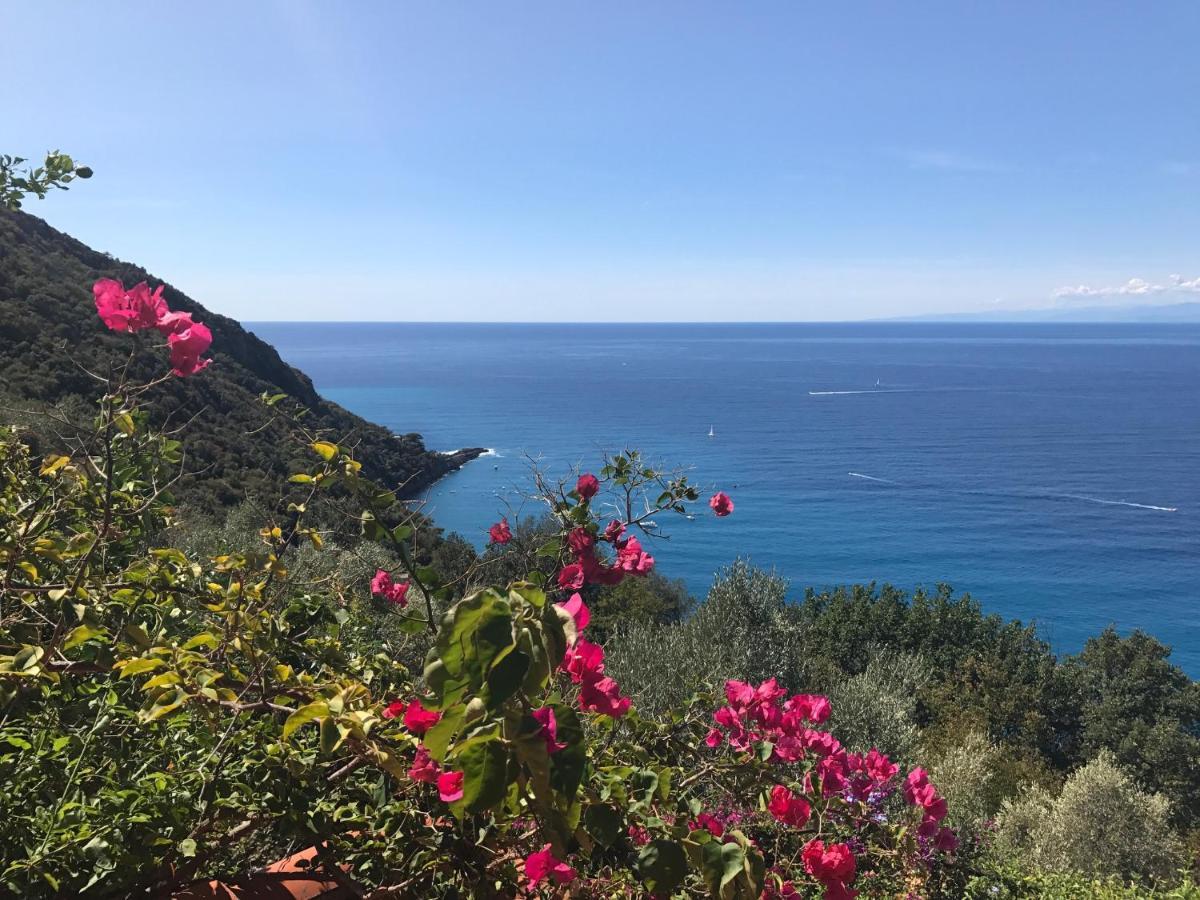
<point x="49" y="329"/>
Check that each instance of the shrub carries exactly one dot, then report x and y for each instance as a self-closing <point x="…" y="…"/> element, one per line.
<point x="1101" y="825"/>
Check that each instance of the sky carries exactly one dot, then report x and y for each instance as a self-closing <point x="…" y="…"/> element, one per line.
<point x="570" y="161"/>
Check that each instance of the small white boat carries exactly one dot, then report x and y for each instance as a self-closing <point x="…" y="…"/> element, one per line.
<point x="711" y="433"/>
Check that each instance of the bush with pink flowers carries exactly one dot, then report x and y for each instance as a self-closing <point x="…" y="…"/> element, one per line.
<point x="174" y="716"/>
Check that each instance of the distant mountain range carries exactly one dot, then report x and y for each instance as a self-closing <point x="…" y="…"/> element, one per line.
<point x="1177" y="313"/>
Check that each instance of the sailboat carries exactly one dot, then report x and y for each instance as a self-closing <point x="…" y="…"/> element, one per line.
<point x="711" y="433"/>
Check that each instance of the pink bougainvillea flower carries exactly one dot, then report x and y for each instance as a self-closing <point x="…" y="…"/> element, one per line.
<point x="450" y="786"/>
<point x="549" y="729"/>
<point x="500" y="533"/>
<point x="571" y="577"/>
<point x="633" y="559"/>
<point x="809" y="707"/>
<point x="186" y="346"/>
<point x="418" y="719"/>
<point x="424" y="769"/>
<point x="713" y="738"/>
<point x="580" y="540"/>
<point x="129" y="311"/>
<point x="543" y="864"/>
<point x="638" y="835"/>
<point x="578" y="611"/>
<point x="788" y="807"/>
<point x="587" y="486"/>
<point x="833" y="865"/>
<point x="721" y="504"/>
<point x="392" y="591"/>
<point x="707" y="822"/>
<point x="394" y="709"/>
<point x="613" y="531"/>
<point x="583" y="659"/>
<point x="603" y="695"/>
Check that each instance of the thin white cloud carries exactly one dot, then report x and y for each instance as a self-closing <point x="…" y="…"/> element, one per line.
<point x="1181" y="168"/>
<point x="1134" y="287"/>
<point x="949" y="161"/>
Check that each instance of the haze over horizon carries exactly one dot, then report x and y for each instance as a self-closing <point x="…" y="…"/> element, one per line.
<point x="562" y="162"/>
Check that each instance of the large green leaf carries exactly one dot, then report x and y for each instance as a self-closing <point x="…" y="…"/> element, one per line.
<point x="662" y="865"/>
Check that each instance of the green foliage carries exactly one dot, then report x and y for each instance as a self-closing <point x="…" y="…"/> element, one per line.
<point x="1101" y="825"/>
<point x="18" y="181"/>
<point x="237" y="447"/>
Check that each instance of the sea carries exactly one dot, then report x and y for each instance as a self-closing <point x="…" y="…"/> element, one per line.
<point x="1050" y="470"/>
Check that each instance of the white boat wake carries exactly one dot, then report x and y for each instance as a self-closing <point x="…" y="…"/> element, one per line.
<point x="1117" y="502"/>
<point x="870" y="478"/>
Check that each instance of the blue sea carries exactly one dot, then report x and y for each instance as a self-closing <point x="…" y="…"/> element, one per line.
<point x="1052" y="471"/>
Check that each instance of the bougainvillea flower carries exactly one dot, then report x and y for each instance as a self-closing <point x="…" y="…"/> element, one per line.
<point x="418" y="719"/>
<point x="129" y="311"/>
<point x="424" y="768"/>
<point x="613" y="531"/>
<point x="174" y="322"/>
<point x="721" y="504"/>
<point x="587" y="486"/>
<point x="578" y="610"/>
<point x="946" y="840"/>
<point x="810" y="707"/>
<point x="500" y="533"/>
<point x="603" y="695"/>
<point x="707" y="822"/>
<point x="788" y="807"/>
<point x="831" y="864"/>
<point x="543" y="864"/>
<point x="583" y="659"/>
<point x="186" y="346"/>
<point x="571" y="577"/>
<point x="633" y="559"/>
<point x="450" y="786"/>
<point x="580" y="540"/>
<point x="392" y="591"/>
<point x="549" y="729"/>
<point x="393" y="709"/>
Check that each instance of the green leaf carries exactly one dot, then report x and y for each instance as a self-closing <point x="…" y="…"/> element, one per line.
<point x="604" y="824"/>
<point x="138" y="666"/>
<point x="662" y="865"/>
<point x="484" y="765"/>
<point x="82" y="633"/>
<point x="310" y="712"/>
<point x="506" y="676"/>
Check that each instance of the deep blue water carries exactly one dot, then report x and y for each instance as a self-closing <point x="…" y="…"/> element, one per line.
<point x="1053" y="471"/>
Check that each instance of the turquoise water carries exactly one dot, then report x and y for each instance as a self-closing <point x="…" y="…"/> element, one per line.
<point x="1049" y="470"/>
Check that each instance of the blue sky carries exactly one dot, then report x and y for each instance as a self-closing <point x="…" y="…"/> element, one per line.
<point x="623" y="161"/>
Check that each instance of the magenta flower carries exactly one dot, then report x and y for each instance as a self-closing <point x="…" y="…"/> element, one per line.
<point x="450" y="786"/>
<point x="500" y="533"/>
<point x="571" y="577"/>
<point x="418" y="719"/>
<point x="579" y="612"/>
<point x="129" y="311"/>
<point x="424" y="769"/>
<point x="833" y="865"/>
<point x="186" y="346"/>
<point x="613" y="531"/>
<point x="721" y="504"/>
<point x="587" y="486"/>
<point x="392" y="591"/>
<point x="549" y="729"/>
<point x="788" y="807"/>
<point x="580" y="541"/>
<point x="633" y="559"/>
<point x="543" y="863"/>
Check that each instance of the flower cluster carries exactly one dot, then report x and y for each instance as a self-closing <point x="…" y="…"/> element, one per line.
<point x="138" y="309"/>
<point x="584" y="664"/>
<point x="500" y="533"/>
<point x="764" y="715"/>
<point x="392" y="591"/>
<point x="631" y="557"/>
<point x="919" y="791"/>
